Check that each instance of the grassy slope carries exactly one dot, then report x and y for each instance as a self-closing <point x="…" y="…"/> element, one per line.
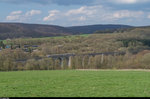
<point x="75" y="84"/>
<point x="57" y="37"/>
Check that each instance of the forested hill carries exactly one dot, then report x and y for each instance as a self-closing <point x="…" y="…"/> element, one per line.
<point x="88" y="29"/>
<point x="17" y="30"/>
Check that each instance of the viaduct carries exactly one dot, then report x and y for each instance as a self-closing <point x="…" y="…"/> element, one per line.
<point x="68" y="57"/>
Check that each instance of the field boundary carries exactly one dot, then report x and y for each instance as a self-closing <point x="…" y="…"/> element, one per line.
<point x="148" y="70"/>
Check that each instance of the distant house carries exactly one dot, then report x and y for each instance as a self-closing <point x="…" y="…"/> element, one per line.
<point x="26" y="50"/>
<point x="26" y="46"/>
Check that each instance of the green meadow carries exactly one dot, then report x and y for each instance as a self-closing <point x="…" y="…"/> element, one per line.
<point x="59" y="37"/>
<point x="55" y="37"/>
<point x="75" y="83"/>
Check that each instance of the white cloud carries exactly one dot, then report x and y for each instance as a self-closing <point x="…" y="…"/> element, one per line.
<point x="16" y="12"/>
<point x="15" y="15"/>
<point x="127" y="14"/>
<point x="101" y="13"/>
<point x="93" y="14"/>
<point x="53" y="15"/>
<point x="81" y="10"/>
<point x="83" y="13"/>
<point x="79" y="14"/>
<point x="148" y="16"/>
<point x="19" y="16"/>
<point x="82" y="18"/>
<point x="128" y="1"/>
<point x="86" y="10"/>
<point x="33" y="12"/>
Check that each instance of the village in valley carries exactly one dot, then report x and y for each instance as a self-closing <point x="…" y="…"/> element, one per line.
<point x="9" y="45"/>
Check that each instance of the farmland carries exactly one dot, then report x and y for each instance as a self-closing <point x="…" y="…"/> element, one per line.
<point x="55" y="37"/>
<point x="75" y="83"/>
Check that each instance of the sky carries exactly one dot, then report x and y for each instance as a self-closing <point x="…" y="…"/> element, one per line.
<point x="76" y="12"/>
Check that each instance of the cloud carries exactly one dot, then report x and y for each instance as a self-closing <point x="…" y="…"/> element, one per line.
<point x="127" y="14"/>
<point x="102" y="13"/>
<point x="53" y="15"/>
<point x="80" y="14"/>
<point x="128" y="1"/>
<point x="19" y="16"/>
<point x="33" y="12"/>
<point x="93" y="14"/>
<point x="15" y="15"/>
<point x="82" y="18"/>
<point x="15" y="12"/>
<point x="86" y="10"/>
<point x="148" y="16"/>
<point x="78" y="19"/>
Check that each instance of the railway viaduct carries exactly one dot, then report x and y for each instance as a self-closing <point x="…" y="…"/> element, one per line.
<point x="69" y="56"/>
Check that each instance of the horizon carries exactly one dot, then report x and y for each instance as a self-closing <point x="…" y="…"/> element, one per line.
<point x="68" y="26"/>
<point x="59" y="25"/>
<point x="76" y="12"/>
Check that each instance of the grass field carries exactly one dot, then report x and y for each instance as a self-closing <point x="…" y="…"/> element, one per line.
<point x="56" y="37"/>
<point x="75" y="83"/>
<point x="60" y="37"/>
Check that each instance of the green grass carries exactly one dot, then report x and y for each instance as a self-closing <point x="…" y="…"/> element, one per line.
<point x="73" y="83"/>
<point x="60" y="37"/>
<point x="56" y="37"/>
